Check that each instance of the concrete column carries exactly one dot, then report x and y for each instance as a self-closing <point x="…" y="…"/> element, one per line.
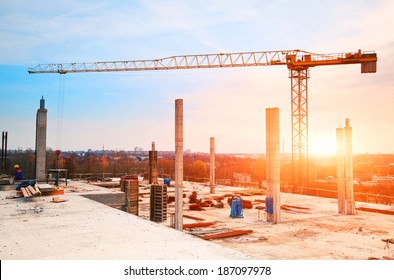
<point x="212" y="165"/>
<point x="41" y="140"/>
<point x="340" y="172"/>
<point x="153" y="172"/>
<point x="179" y="164"/>
<point x="273" y="162"/>
<point x="349" y="169"/>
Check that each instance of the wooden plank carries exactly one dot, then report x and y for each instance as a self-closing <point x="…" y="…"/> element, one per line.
<point x="225" y="234"/>
<point x="32" y="190"/>
<point x="388" y="240"/>
<point x="37" y="189"/>
<point x="24" y="192"/>
<point x="295" y="207"/>
<point x="380" y="211"/>
<point x="202" y="224"/>
<point x="52" y="192"/>
<point x="28" y="191"/>
<point x="193" y="218"/>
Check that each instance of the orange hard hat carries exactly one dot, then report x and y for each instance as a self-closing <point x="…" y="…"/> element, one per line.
<point x="16" y="166"/>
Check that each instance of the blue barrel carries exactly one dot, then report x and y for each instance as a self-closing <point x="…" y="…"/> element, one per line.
<point x="236" y="207"/>
<point x="167" y="181"/>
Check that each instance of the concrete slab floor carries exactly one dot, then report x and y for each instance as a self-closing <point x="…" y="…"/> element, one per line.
<point x="84" y="229"/>
<point x="80" y="228"/>
<point x="307" y="234"/>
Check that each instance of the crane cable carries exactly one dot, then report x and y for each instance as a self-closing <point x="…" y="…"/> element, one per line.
<point x="60" y="109"/>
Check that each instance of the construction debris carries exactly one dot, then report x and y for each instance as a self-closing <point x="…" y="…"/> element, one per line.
<point x="388" y="240"/>
<point x="12" y="196"/>
<point x="201" y="224"/>
<point x="5" y="180"/>
<point x="374" y="210"/>
<point x="291" y="208"/>
<point x="195" y="207"/>
<point x="193" y="198"/>
<point x="295" y="207"/>
<point x="57" y="199"/>
<point x="193" y="218"/>
<point x="383" y="258"/>
<point x="201" y="232"/>
<point x="206" y="203"/>
<point x="27" y="192"/>
<point x="225" y="234"/>
<point x="247" y="204"/>
<point x="247" y="239"/>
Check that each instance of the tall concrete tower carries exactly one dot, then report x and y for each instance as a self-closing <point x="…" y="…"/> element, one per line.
<point x="41" y="140"/>
<point x="273" y="164"/>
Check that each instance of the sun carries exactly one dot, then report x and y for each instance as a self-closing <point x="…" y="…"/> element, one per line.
<point x="322" y="146"/>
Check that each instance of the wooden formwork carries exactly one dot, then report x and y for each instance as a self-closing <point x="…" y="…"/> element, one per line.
<point x="158" y="203"/>
<point x="130" y="186"/>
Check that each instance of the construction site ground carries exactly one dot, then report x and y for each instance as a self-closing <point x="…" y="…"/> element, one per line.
<point x="80" y="228"/>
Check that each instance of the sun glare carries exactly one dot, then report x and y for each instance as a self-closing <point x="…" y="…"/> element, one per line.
<point x="322" y="147"/>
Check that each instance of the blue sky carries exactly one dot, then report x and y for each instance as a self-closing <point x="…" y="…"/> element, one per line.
<point x="128" y="109"/>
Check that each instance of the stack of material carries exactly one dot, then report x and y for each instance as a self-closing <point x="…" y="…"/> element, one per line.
<point x="30" y="191"/>
<point x="158" y="203"/>
<point x="132" y="195"/>
<point x="247" y="204"/>
<point x="195" y="207"/>
<point x="28" y="188"/>
<point x="5" y="180"/>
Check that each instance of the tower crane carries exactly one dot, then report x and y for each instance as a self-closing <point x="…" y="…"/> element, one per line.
<point x="297" y="61"/>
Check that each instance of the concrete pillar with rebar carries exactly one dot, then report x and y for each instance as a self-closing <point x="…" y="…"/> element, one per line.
<point x="153" y="172"/>
<point x="340" y="172"/>
<point x="179" y="164"/>
<point x="273" y="162"/>
<point x="349" y="169"/>
<point x="41" y="138"/>
<point x="212" y="165"/>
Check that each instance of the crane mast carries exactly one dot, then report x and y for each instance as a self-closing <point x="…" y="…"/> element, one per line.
<point x="297" y="61"/>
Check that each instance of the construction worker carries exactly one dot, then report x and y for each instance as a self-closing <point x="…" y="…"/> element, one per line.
<point x="18" y="173"/>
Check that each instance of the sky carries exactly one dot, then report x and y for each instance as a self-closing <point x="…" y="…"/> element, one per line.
<point x="123" y="110"/>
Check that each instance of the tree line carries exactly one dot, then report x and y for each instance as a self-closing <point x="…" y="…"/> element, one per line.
<point x="196" y="165"/>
